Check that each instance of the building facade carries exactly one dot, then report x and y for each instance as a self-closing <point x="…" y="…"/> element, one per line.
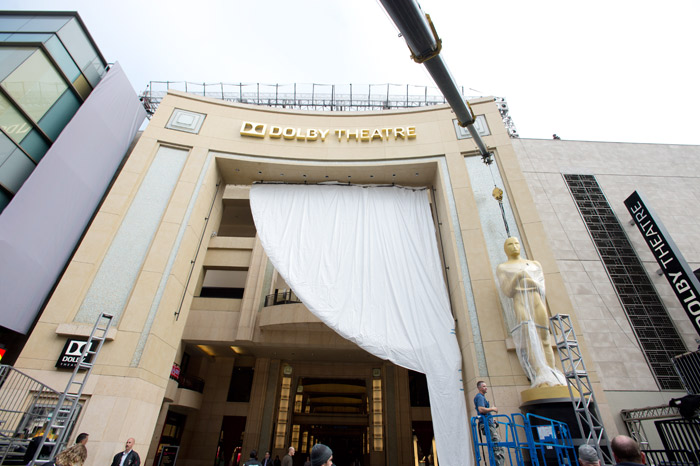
<point x="66" y="123"/>
<point x="212" y="351"/>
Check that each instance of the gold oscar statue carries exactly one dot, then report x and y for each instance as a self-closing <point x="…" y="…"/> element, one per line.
<point x="523" y="281"/>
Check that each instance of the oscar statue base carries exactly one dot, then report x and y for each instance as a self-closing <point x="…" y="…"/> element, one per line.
<point x="546" y="393"/>
<point x="553" y="403"/>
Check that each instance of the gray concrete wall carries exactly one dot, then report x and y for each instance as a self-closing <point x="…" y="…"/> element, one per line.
<point x="669" y="177"/>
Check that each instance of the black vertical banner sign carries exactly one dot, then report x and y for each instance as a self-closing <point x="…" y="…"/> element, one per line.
<point x="674" y="267"/>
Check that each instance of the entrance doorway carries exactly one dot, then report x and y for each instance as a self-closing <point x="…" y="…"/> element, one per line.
<point x="335" y="412"/>
<point x="347" y="442"/>
<point x="230" y="441"/>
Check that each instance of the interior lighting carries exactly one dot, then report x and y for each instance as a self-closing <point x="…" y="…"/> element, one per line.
<point x="208" y="350"/>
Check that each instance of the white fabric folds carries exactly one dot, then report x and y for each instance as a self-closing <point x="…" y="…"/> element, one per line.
<point x="364" y="260"/>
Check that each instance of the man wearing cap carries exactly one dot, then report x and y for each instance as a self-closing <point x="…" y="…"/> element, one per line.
<point x="627" y="451"/>
<point x="321" y="455"/>
<point x="588" y="455"/>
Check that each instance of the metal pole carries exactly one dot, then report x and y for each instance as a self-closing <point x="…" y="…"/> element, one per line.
<point x="425" y="47"/>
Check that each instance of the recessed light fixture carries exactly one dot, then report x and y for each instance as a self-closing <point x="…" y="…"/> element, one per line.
<point x="208" y="350"/>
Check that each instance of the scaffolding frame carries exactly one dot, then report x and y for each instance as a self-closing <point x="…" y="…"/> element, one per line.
<point x="580" y="387"/>
<point x="633" y="420"/>
<point x="315" y="96"/>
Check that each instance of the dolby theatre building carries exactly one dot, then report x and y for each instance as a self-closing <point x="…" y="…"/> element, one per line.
<point x="213" y="347"/>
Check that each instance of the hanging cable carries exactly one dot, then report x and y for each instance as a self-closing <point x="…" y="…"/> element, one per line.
<point x="497" y="194"/>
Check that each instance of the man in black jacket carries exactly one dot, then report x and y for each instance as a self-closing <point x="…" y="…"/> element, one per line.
<point x="128" y="457"/>
<point x="267" y="461"/>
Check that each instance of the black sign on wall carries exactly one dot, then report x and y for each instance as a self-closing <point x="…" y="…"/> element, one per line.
<point x="168" y="456"/>
<point x="71" y="353"/>
<point x="674" y="267"/>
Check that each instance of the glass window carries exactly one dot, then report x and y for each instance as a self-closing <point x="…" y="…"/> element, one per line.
<point x="12" y="122"/>
<point x="15" y="170"/>
<point x="5" y="198"/>
<point x="13" y="23"/>
<point x="94" y="71"/>
<point x="6" y="148"/>
<point x="11" y="58"/>
<point x="63" y="58"/>
<point x="28" y="37"/>
<point x="60" y="114"/>
<point x="35" y="145"/>
<point x="81" y="85"/>
<point x="13" y="156"/>
<point x="44" y="23"/>
<point x="241" y="384"/>
<point x="35" y="85"/>
<point x="77" y="44"/>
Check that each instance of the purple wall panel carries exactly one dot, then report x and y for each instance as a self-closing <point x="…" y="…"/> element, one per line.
<point x="42" y="225"/>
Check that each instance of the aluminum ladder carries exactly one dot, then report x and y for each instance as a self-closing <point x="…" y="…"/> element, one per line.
<point x="63" y="415"/>
<point x="580" y="387"/>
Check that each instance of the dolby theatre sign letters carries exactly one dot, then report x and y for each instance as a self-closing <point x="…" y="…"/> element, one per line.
<point x="263" y="130"/>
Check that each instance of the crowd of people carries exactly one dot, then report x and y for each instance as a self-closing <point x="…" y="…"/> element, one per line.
<point x="626" y="451"/>
<point x="321" y="455"/>
<point x="76" y="455"/>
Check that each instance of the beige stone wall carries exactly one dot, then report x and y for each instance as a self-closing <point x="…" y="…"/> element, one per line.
<point x="125" y="399"/>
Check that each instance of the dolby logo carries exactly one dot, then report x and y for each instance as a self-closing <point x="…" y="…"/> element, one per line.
<point x="262" y="130"/>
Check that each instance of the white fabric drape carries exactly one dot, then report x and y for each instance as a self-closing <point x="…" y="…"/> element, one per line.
<point x="364" y="260"/>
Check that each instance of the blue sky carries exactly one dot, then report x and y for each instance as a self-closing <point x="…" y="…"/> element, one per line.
<point x="600" y="70"/>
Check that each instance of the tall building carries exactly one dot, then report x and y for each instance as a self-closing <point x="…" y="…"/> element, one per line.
<point x="212" y="351"/>
<point x="66" y="123"/>
<point x="49" y="65"/>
